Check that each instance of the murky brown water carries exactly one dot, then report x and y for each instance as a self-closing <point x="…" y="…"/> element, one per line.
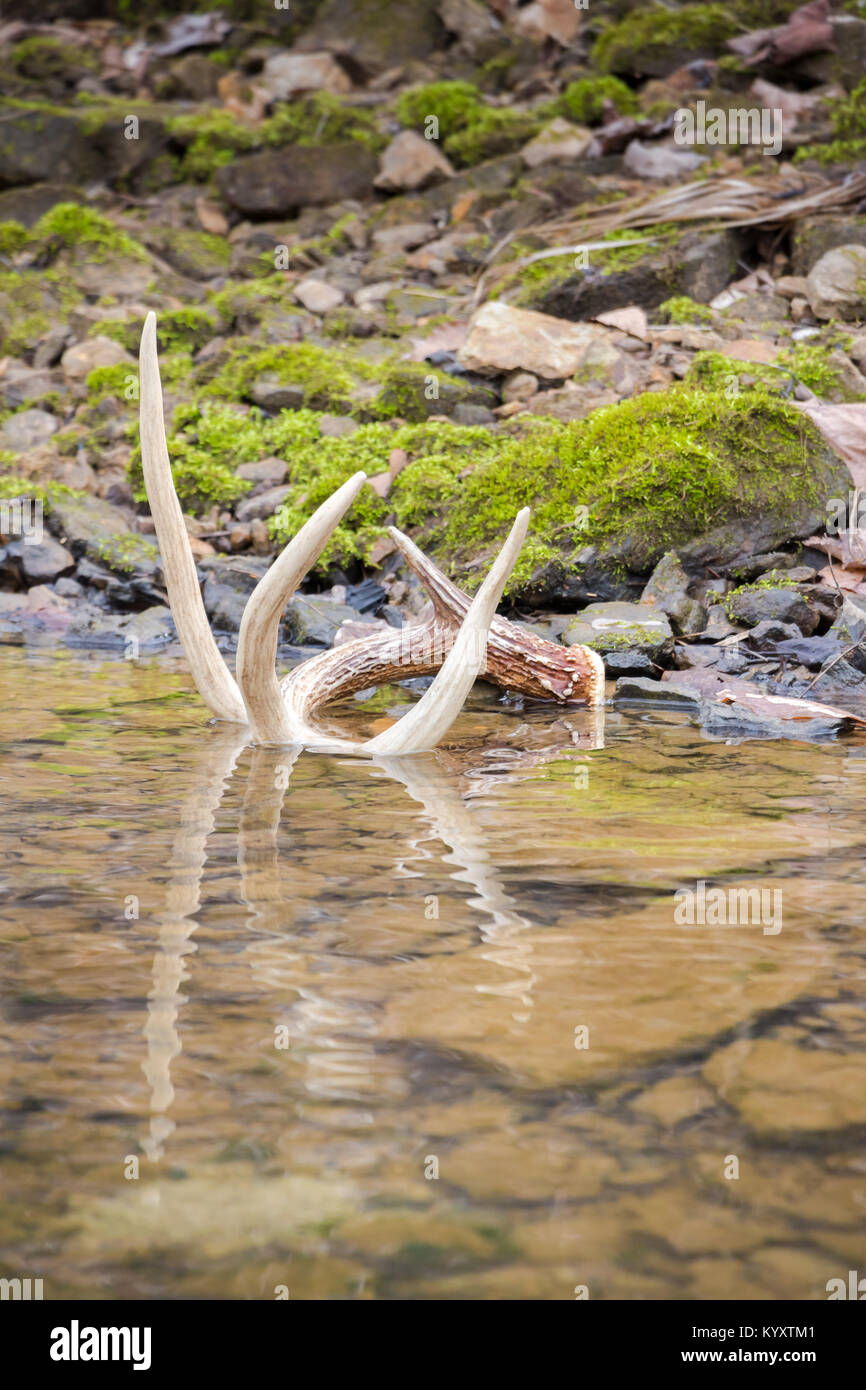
<point x="426" y="939"/>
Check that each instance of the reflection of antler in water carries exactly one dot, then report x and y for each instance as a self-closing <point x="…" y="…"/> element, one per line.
<point x="452" y="822"/>
<point x="344" y="1060"/>
<point x="177" y="924"/>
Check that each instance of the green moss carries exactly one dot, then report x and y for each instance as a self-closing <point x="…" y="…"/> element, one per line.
<point x="251" y="300"/>
<point x="13" y="238"/>
<point x="69" y="225"/>
<point x="179" y="330"/>
<point x="454" y="104"/>
<point x="332" y="379"/>
<point x="497" y="131"/>
<point x="681" y="309"/>
<point x="809" y="363"/>
<point x="848" y="118"/>
<point x="320" y="372"/>
<point x="43" y="59"/>
<point x="29" y="305"/>
<point x="206" y="446"/>
<point x="528" y="285"/>
<point x="124" y="553"/>
<point x="664" y="466"/>
<point x="212" y="138"/>
<point x="583" y="101"/>
<point x="655" y="30"/>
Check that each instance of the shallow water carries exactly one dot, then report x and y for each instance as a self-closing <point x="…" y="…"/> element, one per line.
<point x="290" y="1006"/>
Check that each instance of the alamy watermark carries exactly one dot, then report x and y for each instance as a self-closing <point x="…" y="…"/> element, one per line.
<point x="20" y="1290"/>
<point x="729" y="907"/>
<point x="22" y="516"/>
<point x="755" y="125"/>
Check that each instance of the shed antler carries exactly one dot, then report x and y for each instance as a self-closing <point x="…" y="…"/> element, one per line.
<point x="464" y="638"/>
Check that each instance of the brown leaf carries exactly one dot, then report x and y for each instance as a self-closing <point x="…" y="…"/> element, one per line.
<point x="735" y="690"/>
<point x="381" y="483"/>
<point x="844" y="427"/>
<point x="808" y="30"/>
<point x="211" y="217"/>
<point x="397" y="460"/>
<point x="445" y="337"/>
<point x="851" y="578"/>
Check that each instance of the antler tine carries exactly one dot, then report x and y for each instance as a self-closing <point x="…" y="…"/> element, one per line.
<point x="271" y="718"/>
<point x="431" y="718"/>
<point x="213" y="679"/>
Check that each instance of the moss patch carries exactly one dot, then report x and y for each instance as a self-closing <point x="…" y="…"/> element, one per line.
<point x="652" y="34"/>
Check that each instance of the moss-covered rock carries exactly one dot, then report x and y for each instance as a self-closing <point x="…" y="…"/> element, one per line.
<point x="652" y="41"/>
<point x="717" y="479"/>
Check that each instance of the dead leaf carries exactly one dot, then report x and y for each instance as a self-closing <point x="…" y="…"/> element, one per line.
<point x="808" y="30"/>
<point x="794" y="106"/>
<point x="735" y="690"/>
<point x="548" y="19"/>
<point x="462" y="205"/>
<point x="844" y="427"/>
<point x="381" y="483"/>
<point x="211" y="217"/>
<point x="445" y="337"/>
<point x="851" y="578"/>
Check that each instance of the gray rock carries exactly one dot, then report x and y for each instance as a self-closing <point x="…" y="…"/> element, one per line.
<point x="335" y="425"/>
<point x="411" y="162"/>
<point x="313" y="620"/>
<point x="667" y="590"/>
<point x="262" y="505"/>
<point x="700" y="266"/>
<point x="813" y="237"/>
<point x="81" y="359"/>
<point x="28" y="429"/>
<point x="132" y="633"/>
<point x="721" y="722"/>
<point x="21" y="383"/>
<point x="36" y="564"/>
<point x="272" y="394"/>
<point x="371" y="36"/>
<point x="635" y="690"/>
<point x="41" y="145"/>
<point x="274" y="183"/>
<point x="836" y="286"/>
<point x="27" y="205"/>
<point x="271" y="471"/>
<point x="614" y="628"/>
<point x="228" y="584"/>
<point x="753" y="606"/>
<point x="93" y="527"/>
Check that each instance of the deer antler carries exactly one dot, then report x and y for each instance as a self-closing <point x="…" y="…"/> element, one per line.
<point x="456" y="640"/>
